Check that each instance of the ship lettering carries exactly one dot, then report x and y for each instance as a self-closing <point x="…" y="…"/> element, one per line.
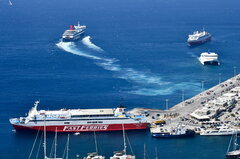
<point x="71" y="128"/>
<point x="85" y="127"/>
<point x="94" y="127"/>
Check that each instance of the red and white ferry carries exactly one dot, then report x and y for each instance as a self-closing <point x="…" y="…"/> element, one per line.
<point x="79" y="120"/>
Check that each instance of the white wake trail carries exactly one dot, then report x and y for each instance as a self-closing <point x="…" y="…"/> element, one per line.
<point x="146" y="83"/>
<point x="70" y="47"/>
<point x="87" y="41"/>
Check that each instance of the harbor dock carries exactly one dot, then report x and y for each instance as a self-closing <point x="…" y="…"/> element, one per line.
<point x="219" y="104"/>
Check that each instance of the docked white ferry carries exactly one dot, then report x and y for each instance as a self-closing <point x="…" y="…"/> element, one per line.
<point x="74" y="33"/>
<point x="220" y="131"/>
<point x="209" y="58"/>
<point x="199" y="37"/>
<point x="79" y="120"/>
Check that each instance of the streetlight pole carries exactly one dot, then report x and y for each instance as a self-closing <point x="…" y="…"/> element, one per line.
<point x="235" y="70"/>
<point x="219" y="78"/>
<point x="182" y="97"/>
<point x="166" y="104"/>
<point x="202" y="85"/>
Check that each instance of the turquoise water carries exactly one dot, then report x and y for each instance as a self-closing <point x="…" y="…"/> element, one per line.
<point x="135" y="54"/>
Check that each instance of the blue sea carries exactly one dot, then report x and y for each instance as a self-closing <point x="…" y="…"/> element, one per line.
<point x="134" y="53"/>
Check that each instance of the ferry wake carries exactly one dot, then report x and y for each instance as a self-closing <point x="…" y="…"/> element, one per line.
<point x="79" y="120"/>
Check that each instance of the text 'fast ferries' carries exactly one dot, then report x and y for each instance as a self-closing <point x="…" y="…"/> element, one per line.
<point x="86" y="128"/>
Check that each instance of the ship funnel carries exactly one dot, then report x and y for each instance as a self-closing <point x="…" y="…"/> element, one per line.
<point x="34" y="108"/>
<point x="36" y="103"/>
<point x="120" y="110"/>
<point x="71" y="27"/>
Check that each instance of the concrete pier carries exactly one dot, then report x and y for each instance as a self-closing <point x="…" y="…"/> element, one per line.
<point x="189" y="105"/>
<point x="182" y="111"/>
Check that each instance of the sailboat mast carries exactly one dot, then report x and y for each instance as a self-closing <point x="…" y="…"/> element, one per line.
<point x="156" y="152"/>
<point x="124" y="140"/>
<point x="229" y="145"/>
<point x="235" y="142"/>
<point x="95" y="140"/>
<point x="45" y="142"/>
<point x="67" y="147"/>
<point x="144" y="153"/>
<point x="55" y="147"/>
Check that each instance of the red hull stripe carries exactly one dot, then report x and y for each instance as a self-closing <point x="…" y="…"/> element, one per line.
<point x="85" y="128"/>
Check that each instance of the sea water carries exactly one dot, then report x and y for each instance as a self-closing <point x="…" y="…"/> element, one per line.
<point x="134" y="53"/>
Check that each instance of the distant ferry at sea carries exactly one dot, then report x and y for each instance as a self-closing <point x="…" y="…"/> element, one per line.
<point x="198" y="37"/>
<point x="74" y="33"/>
<point x="79" y="120"/>
<point x="209" y="58"/>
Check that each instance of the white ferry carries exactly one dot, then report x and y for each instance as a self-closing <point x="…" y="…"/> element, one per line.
<point x="74" y="33"/>
<point x="220" y="131"/>
<point x="178" y="132"/>
<point x="79" y="120"/>
<point x="198" y="37"/>
<point x="209" y="58"/>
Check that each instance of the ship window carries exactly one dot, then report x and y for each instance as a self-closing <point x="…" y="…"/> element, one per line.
<point x="76" y="116"/>
<point x="100" y="122"/>
<point x="223" y="131"/>
<point x="98" y="115"/>
<point x="89" y="122"/>
<point x="66" y="122"/>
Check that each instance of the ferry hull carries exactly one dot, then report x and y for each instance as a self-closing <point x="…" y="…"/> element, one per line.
<point x="84" y="128"/>
<point x="167" y="135"/>
<point x="198" y="42"/>
<point x="233" y="156"/>
<point x="75" y="38"/>
<point x="219" y="134"/>
<point x="214" y="63"/>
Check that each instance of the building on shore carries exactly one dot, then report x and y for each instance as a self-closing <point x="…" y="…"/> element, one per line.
<point x="215" y="107"/>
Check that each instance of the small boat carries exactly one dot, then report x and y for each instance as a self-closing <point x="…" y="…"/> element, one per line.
<point x="209" y="58"/>
<point x="220" y="131"/>
<point x="235" y="153"/>
<point x="179" y="132"/>
<point x="94" y="155"/>
<point x="198" y="37"/>
<point x="122" y="154"/>
<point x="77" y="133"/>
